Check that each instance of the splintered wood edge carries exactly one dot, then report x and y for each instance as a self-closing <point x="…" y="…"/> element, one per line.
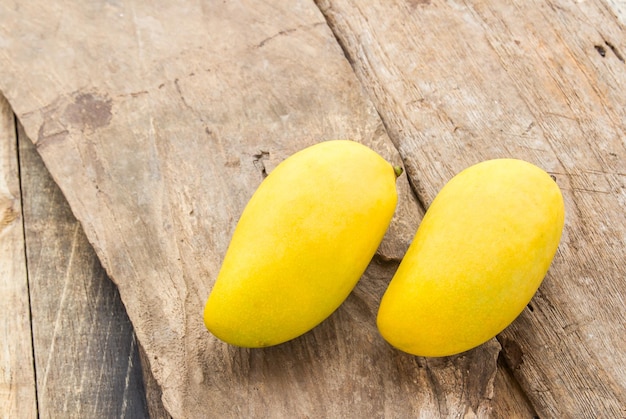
<point x="114" y="384"/>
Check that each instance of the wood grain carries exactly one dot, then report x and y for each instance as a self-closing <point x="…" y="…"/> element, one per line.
<point x="509" y="399"/>
<point x="159" y="123"/>
<point x="458" y="82"/>
<point x="156" y="410"/>
<point x="157" y="162"/>
<point x="158" y="141"/>
<point x="86" y="355"/>
<point x="17" y="371"/>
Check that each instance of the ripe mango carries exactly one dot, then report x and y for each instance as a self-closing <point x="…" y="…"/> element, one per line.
<point x="303" y="241"/>
<point x="478" y="257"/>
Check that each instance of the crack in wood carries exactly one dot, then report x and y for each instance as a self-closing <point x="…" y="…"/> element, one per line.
<point x="287" y="32"/>
<point x="602" y="50"/>
<point x="512" y="352"/>
<point x="615" y="51"/>
<point x="258" y="162"/>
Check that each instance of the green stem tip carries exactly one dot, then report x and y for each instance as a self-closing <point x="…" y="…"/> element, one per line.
<point x="398" y="171"/>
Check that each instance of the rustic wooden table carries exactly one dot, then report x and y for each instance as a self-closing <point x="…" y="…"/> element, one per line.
<point x="133" y="135"/>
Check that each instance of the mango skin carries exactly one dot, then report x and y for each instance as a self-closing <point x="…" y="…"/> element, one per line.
<point x="478" y="257"/>
<point x="303" y="241"/>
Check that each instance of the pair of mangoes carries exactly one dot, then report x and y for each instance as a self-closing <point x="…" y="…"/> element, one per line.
<point x="312" y="227"/>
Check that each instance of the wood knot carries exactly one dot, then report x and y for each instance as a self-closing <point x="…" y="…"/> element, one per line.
<point x="7" y="213"/>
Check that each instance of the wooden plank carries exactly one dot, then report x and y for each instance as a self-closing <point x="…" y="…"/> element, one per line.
<point x="509" y="398"/>
<point x="156" y="410"/>
<point x="158" y="126"/>
<point x="618" y="7"/>
<point x="456" y="83"/>
<point x="17" y="370"/>
<point x="86" y="354"/>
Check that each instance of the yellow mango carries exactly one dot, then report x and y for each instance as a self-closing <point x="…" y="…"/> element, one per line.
<point x="478" y="257"/>
<point x="303" y="241"/>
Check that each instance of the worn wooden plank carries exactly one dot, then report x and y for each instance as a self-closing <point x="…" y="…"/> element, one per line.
<point x="17" y="370"/>
<point x="458" y="82"/>
<point x="509" y="398"/>
<point x="158" y="131"/>
<point x="156" y="410"/>
<point x="85" y="352"/>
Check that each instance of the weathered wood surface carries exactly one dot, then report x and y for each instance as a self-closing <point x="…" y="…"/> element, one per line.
<point x="460" y="82"/>
<point x="101" y="381"/>
<point x="17" y="372"/>
<point x="85" y="349"/>
<point x="508" y="400"/>
<point x="158" y="154"/>
<point x="86" y="356"/>
<point x="157" y="123"/>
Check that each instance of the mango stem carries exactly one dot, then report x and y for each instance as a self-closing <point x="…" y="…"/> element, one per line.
<point x="398" y="171"/>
